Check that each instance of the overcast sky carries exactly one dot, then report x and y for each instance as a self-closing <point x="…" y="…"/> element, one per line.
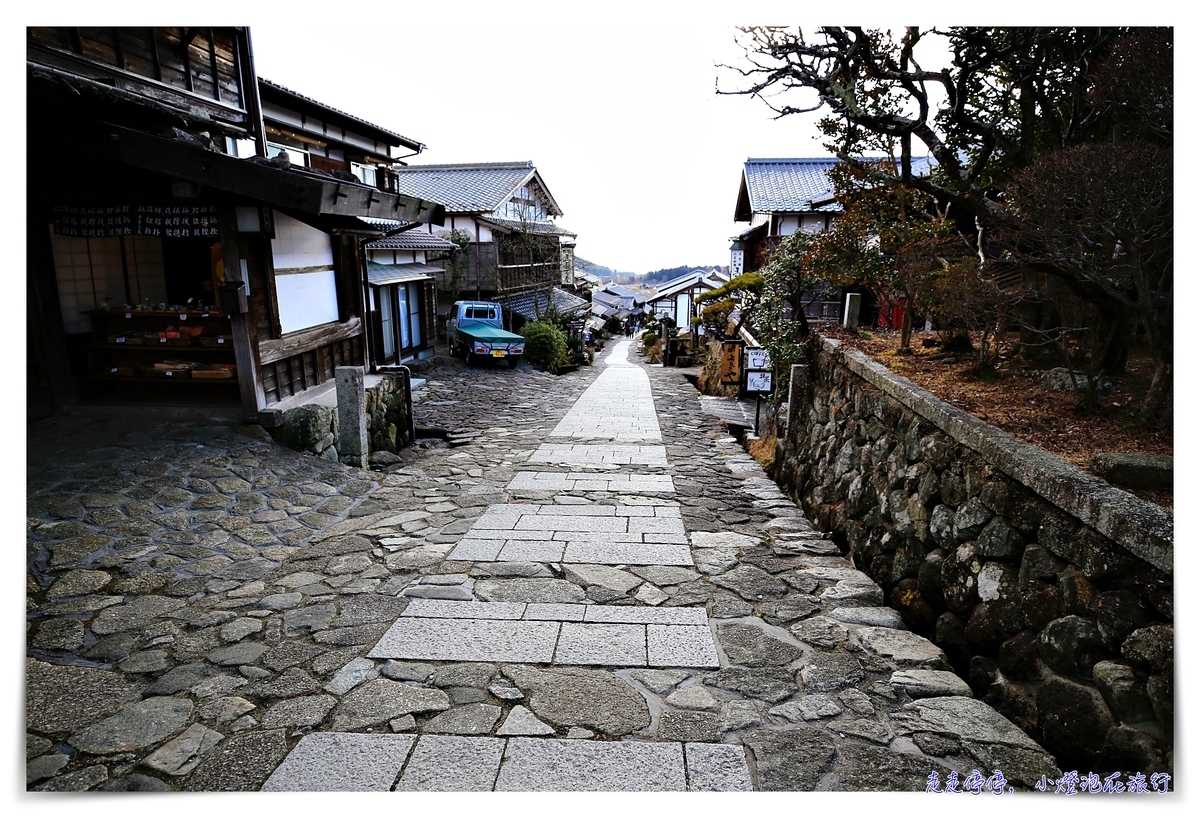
<point x="614" y="102"/>
<point x="622" y="122"/>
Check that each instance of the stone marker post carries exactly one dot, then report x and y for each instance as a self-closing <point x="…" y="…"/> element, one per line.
<point x="352" y="416"/>
<point x="853" y="307"/>
<point x="797" y="393"/>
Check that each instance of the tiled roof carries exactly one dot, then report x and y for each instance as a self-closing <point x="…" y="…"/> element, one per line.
<point x="749" y="230"/>
<point x="380" y="274"/>
<point x="467" y="188"/>
<point x="410" y="240"/>
<point x="544" y="228"/>
<point x="797" y="185"/>
<point x="386" y="225"/>
<point x="618" y="290"/>
<point x="787" y="185"/>
<point x="677" y="285"/>
<point x="563" y="302"/>
<point x="675" y="282"/>
<point x="606" y="298"/>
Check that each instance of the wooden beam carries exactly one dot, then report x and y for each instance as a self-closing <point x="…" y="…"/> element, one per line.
<point x="212" y="64"/>
<point x="185" y="40"/>
<point x="249" y="382"/>
<point x="307" y="339"/>
<point x="110" y="79"/>
<point x="287" y="189"/>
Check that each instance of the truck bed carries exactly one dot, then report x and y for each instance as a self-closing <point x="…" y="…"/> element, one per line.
<point x="486" y="332"/>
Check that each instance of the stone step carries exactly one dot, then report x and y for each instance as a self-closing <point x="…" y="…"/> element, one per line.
<point x="560" y="634"/>
<point x="358" y="762"/>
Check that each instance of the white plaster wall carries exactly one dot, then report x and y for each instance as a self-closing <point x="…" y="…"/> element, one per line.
<point x="297" y="245"/>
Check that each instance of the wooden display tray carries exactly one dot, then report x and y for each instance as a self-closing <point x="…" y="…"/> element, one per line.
<point x="214" y="374"/>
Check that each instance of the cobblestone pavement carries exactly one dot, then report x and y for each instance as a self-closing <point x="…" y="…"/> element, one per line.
<point x="601" y="591"/>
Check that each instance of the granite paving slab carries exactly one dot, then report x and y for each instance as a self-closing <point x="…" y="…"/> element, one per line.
<point x="617" y="553"/>
<point x="582" y="454"/>
<point x="341" y="762"/>
<point x="564" y="765"/>
<point x="468" y="640"/>
<point x="601" y="644"/>
<point x="680" y="646"/>
<point x="453" y="764"/>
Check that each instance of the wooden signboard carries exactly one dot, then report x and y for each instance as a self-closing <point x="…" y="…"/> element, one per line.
<point x="731" y="363"/>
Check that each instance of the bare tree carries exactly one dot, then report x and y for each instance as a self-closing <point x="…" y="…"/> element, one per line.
<point x="530" y="253"/>
<point x="1100" y="218"/>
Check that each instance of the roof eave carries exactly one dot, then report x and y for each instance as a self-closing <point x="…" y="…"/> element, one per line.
<point x="372" y="129"/>
<point x="554" y="209"/>
<point x="299" y="192"/>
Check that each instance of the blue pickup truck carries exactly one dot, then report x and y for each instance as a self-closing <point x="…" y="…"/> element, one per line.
<point x="476" y="333"/>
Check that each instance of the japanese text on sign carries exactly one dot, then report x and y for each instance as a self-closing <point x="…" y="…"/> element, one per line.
<point x="758" y="381"/>
<point x="172" y="221"/>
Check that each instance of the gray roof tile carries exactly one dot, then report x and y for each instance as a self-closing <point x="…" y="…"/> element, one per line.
<point x="791" y="185"/>
<point x="380" y="274"/>
<point x="410" y="240"/>
<point x="466" y="188"/>
<point x="787" y="185"/>
<point x="563" y="302"/>
<point x="544" y="228"/>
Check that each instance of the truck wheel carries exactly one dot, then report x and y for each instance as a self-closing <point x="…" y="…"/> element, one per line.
<point x="513" y="361"/>
<point x="468" y="357"/>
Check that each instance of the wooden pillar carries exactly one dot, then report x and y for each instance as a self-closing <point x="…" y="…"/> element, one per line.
<point x="244" y="336"/>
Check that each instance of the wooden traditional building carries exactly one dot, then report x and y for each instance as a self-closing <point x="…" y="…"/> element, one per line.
<point x="676" y="299"/>
<point x="778" y="197"/>
<point x="503" y="212"/>
<point x="403" y="293"/>
<point x="179" y="248"/>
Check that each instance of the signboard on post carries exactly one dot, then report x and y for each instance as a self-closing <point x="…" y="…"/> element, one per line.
<point x="758" y="381"/>
<point x="758" y="377"/>
<point x="731" y="363"/>
<point x="758" y="358"/>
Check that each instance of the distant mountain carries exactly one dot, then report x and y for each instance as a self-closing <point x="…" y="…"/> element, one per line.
<point x="644" y="280"/>
<point x="604" y="273"/>
<point x="666" y="274"/>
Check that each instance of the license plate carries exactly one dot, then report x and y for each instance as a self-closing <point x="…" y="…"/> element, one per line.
<point x="497" y="353"/>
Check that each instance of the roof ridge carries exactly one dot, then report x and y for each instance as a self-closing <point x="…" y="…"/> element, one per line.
<point x="526" y="164"/>
<point x="832" y="159"/>
<point x="795" y="159"/>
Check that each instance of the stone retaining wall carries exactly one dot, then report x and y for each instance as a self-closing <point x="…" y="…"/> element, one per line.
<point x="1049" y="590"/>
<point x="314" y="428"/>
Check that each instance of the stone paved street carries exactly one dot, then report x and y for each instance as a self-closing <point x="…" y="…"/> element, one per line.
<point x="602" y="591"/>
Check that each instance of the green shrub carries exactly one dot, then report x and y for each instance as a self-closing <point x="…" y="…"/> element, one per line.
<point x="545" y="344"/>
<point x="649" y="339"/>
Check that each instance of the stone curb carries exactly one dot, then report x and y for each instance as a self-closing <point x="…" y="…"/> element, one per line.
<point x="1141" y="528"/>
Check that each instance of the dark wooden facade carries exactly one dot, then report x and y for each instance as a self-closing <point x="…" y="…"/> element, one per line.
<point x="145" y="120"/>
